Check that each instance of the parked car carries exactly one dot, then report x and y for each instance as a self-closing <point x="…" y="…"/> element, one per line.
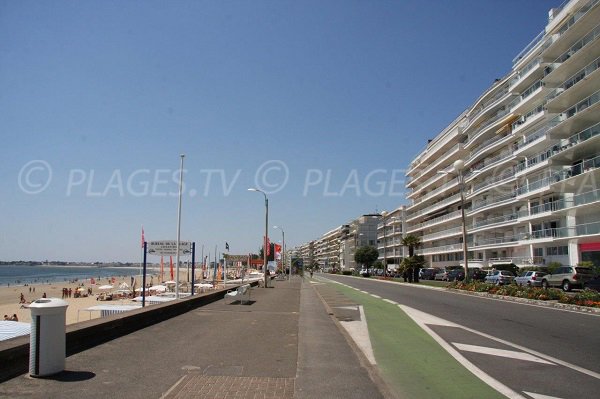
<point x="568" y="277"/>
<point x="477" y="274"/>
<point x="499" y="277"/>
<point x="428" y="273"/>
<point x="530" y="278"/>
<point x="593" y="284"/>
<point x="442" y="275"/>
<point x="456" y="275"/>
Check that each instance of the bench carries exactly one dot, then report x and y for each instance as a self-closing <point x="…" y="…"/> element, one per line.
<point x="239" y="293"/>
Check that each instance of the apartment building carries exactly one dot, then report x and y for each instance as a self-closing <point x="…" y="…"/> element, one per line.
<point x="390" y="231"/>
<point x="362" y="232"/>
<point x="530" y="147"/>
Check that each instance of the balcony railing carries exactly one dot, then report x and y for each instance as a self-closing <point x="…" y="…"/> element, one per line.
<point x="444" y="233"/>
<point x="590" y="37"/>
<point x="486" y="144"/>
<point x="478" y="204"/>
<point x="438" y="204"/>
<point x="483" y="107"/>
<point x="562" y="232"/>
<point x="530" y="114"/>
<point x="492" y="182"/>
<point x="433" y="221"/>
<point x="531" y="89"/>
<point x="473" y="136"/>
<point x="434" y="192"/>
<point x="494" y="241"/>
<point x="498" y="220"/>
<point x="444" y="248"/>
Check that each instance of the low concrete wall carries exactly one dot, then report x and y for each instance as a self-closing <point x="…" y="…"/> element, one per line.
<point x="14" y="353"/>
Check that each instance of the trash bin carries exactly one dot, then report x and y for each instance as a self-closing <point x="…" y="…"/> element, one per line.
<point x="47" y="349"/>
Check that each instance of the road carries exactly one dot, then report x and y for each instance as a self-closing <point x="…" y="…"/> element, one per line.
<point x="535" y="350"/>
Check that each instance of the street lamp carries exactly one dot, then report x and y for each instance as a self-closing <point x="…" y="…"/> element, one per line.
<point x="459" y="166"/>
<point x="283" y="252"/>
<point x="266" y="233"/>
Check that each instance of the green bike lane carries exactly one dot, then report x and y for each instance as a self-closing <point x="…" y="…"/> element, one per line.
<point x="409" y="360"/>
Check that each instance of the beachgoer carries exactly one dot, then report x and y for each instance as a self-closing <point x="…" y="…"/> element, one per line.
<point x="6" y="318"/>
<point x="44" y="295"/>
<point x="14" y="317"/>
<point x="22" y="300"/>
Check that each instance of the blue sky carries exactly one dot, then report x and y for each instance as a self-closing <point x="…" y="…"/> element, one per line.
<point x="321" y="103"/>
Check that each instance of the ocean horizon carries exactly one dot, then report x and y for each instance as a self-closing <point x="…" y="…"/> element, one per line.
<point x="43" y="274"/>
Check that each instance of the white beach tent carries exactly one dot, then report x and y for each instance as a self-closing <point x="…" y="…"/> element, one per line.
<point x="12" y="329"/>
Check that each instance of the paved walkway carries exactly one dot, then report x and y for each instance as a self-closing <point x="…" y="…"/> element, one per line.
<point x="284" y="344"/>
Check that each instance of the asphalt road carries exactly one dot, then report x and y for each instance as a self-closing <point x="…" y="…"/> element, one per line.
<point x="568" y="338"/>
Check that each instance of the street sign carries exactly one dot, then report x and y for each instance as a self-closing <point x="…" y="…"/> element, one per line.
<point x="169" y="248"/>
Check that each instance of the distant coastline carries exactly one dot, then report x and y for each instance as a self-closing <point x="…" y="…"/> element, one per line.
<point x="63" y="263"/>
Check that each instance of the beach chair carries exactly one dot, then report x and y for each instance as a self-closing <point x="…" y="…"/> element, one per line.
<point x="238" y="294"/>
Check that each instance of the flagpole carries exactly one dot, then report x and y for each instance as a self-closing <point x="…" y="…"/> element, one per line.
<point x="142" y="250"/>
<point x="178" y="227"/>
<point x="202" y="257"/>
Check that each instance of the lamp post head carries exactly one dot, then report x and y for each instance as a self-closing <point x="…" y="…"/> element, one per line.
<point x="458" y="165"/>
<point x="252" y="189"/>
<point x="384" y="214"/>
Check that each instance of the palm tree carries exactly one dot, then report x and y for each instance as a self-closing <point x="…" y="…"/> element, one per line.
<point x="412" y="242"/>
<point x="414" y="262"/>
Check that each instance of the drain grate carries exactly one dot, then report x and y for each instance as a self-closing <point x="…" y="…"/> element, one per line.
<point x="197" y="386"/>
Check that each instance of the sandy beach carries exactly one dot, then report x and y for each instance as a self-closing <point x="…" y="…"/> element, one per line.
<point x="10" y="296"/>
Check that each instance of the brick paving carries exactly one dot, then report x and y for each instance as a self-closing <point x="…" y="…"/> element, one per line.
<point x="197" y="386"/>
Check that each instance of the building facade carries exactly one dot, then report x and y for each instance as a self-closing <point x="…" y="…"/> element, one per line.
<point x="531" y="151"/>
<point x="390" y="231"/>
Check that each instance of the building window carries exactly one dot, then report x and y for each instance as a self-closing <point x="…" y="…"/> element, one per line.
<point x="538" y="251"/>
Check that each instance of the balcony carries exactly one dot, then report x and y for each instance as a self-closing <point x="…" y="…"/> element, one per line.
<point x="531" y="94"/>
<point x="497" y="220"/>
<point x="436" y="165"/>
<point x="577" y="117"/>
<point x="529" y="117"/>
<point x="582" y="21"/>
<point x="579" y="230"/>
<point x="440" y="204"/>
<point x="481" y="204"/>
<point x="441" y="234"/>
<point x="578" y="86"/>
<point x="488" y="105"/>
<point x="436" y="250"/>
<point x="434" y="221"/>
<point x="502" y="179"/>
<point x="433" y="193"/>
<point x="526" y="76"/>
<point x="494" y="241"/>
<point x="503" y="116"/>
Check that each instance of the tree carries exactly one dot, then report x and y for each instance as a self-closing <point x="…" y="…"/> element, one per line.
<point x="366" y="255"/>
<point x="413" y="263"/>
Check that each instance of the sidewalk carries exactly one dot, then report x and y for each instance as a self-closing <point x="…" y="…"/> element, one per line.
<point x="283" y="345"/>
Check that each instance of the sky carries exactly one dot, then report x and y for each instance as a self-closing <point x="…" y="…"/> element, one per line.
<point x="321" y="104"/>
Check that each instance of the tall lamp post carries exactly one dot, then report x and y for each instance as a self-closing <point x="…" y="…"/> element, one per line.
<point x="266" y="233"/>
<point x="178" y="228"/>
<point x="459" y="166"/>
<point x="283" y="251"/>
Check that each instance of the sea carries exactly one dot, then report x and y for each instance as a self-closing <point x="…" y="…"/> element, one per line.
<point x="39" y="274"/>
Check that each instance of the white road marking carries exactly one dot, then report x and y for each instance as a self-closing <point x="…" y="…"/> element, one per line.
<point x="390" y="301"/>
<point x="540" y="396"/>
<point x="375" y="296"/>
<point x="422" y="319"/>
<point x="500" y="352"/>
<point x="364" y="292"/>
<point x="359" y="332"/>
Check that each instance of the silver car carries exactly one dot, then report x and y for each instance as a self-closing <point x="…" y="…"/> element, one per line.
<point x="568" y="277"/>
<point x="500" y="277"/>
<point x="530" y="278"/>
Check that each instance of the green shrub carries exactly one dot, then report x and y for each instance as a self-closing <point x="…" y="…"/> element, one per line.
<point x="552" y="266"/>
<point x="347" y="272"/>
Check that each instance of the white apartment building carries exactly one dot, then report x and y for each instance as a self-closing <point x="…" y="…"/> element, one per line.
<point x="531" y="150"/>
<point x="389" y="240"/>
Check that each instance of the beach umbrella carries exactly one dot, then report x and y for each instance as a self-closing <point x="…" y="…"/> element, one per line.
<point x="105" y="287"/>
<point x="170" y="282"/>
<point x="123" y="285"/>
<point x="161" y="288"/>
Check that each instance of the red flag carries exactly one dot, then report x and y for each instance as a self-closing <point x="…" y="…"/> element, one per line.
<point x="277" y="248"/>
<point x="268" y="246"/>
<point x="143" y="237"/>
<point x="171" y="261"/>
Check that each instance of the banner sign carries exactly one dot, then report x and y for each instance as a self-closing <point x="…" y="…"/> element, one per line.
<point x="236" y="258"/>
<point x="169" y="248"/>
